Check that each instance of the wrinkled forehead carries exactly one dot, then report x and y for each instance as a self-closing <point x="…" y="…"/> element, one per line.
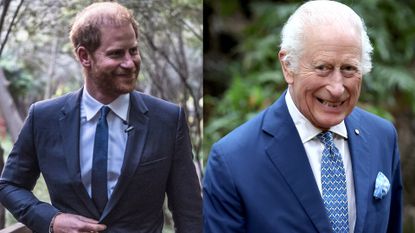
<point x="345" y="33"/>
<point x="330" y="39"/>
<point x="331" y="24"/>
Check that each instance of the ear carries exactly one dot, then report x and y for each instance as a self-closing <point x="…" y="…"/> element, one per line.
<point x="84" y="56"/>
<point x="286" y="67"/>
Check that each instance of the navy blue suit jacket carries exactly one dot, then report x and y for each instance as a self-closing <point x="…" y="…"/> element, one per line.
<point x="258" y="177"/>
<point x="157" y="161"/>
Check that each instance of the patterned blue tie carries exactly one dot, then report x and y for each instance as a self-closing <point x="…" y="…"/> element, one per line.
<point x="99" y="163"/>
<point x="333" y="182"/>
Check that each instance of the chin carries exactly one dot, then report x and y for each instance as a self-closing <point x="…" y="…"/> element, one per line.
<point x="127" y="87"/>
<point x="122" y="90"/>
<point x="126" y="90"/>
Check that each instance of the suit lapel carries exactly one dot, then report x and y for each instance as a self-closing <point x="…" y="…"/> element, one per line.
<point x="134" y="148"/>
<point x="361" y="160"/>
<point x="69" y="123"/>
<point x="287" y="153"/>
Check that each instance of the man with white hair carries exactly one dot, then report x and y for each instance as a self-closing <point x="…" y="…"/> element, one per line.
<point x="312" y="161"/>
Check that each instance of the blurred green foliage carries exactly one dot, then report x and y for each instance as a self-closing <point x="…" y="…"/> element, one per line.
<point x="19" y="75"/>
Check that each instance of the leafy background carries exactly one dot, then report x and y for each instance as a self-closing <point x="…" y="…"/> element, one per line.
<point x="242" y="74"/>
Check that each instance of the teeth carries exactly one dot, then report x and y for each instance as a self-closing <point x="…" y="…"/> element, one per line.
<point x="330" y="104"/>
<point x="333" y="105"/>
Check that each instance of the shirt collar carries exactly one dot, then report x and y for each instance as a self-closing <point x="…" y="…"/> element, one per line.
<point x="92" y="106"/>
<point x="304" y="127"/>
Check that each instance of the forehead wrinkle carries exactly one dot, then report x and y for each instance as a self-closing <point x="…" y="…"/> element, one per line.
<point x="116" y="38"/>
<point x="324" y="51"/>
<point x="334" y="55"/>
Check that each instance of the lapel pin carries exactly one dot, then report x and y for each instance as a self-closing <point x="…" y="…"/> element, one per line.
<point x="129" y="129"/>
<point x="356" y="131"/>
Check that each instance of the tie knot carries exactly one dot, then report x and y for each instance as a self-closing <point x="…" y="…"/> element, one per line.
<point x="326" y="138"/>
<point x="104" y="111"/>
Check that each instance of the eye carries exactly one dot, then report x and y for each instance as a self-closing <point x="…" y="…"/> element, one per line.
<point x="134" y="51"/>
<point x="323" y="69"/>
<point x="116" y="54"/>
<point x="349" y="70"/>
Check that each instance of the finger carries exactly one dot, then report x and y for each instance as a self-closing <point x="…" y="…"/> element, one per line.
<point x="85" y="219"/>
<point x="68" y="222"/>
<point x="92" y="227"/>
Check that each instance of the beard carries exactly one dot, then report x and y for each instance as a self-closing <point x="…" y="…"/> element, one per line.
<point x="113" y="83"/>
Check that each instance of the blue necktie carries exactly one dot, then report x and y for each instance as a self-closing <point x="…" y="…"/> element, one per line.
<point x="333" y="182"/>
<point x="99" y="163"/>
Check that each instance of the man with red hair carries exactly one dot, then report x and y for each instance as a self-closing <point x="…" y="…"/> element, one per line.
<point x="108" y="154"/>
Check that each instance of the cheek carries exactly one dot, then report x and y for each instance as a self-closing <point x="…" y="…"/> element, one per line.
<point x="304" y="86"/>
<point x="137" y="61"/>
<point x="354" y="86"/>
<point x="100" y="66"/>
<point x="303" y="81"/>
<point x="309" y="86"/>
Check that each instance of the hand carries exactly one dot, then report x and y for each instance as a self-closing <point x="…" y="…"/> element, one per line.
<point x="71" y="223"/>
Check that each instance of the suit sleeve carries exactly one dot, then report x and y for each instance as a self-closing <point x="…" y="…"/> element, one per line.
<point x="183" y="188"/>
<point x="396" y="208"/>
<point x="19" y="178"/>
<point x="222" y="207"/>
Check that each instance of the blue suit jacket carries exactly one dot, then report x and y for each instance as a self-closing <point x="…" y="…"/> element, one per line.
<point x="157" y="160"/>
<point x="258" y="177"/>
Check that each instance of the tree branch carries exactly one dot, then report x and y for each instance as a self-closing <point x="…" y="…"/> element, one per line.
<point x="14" y="121"/>
<point x="3" y="44"/>
<point x="190" y="28"/>
<point x="3" y="14"/>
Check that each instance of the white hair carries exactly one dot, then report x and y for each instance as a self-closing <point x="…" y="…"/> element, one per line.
<point x="315" y="13"/>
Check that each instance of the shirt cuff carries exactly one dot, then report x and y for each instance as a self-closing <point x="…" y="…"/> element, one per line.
<point x="52" y="222"/>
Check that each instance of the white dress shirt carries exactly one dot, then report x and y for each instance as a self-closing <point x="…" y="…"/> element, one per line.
<point x="314" y="149"/>
<point x="117" y="140"/>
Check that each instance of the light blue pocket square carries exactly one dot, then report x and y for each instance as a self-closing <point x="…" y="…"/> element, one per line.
<point x="382" y="186"/>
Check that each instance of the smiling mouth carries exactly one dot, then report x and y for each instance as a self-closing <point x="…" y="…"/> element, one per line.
<point x="331" y="104"/>
<point x="126" y="75"/>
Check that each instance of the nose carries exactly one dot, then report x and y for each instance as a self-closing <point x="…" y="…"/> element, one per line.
<point x="336" y="87"/>
<point x="128" y="62"/>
